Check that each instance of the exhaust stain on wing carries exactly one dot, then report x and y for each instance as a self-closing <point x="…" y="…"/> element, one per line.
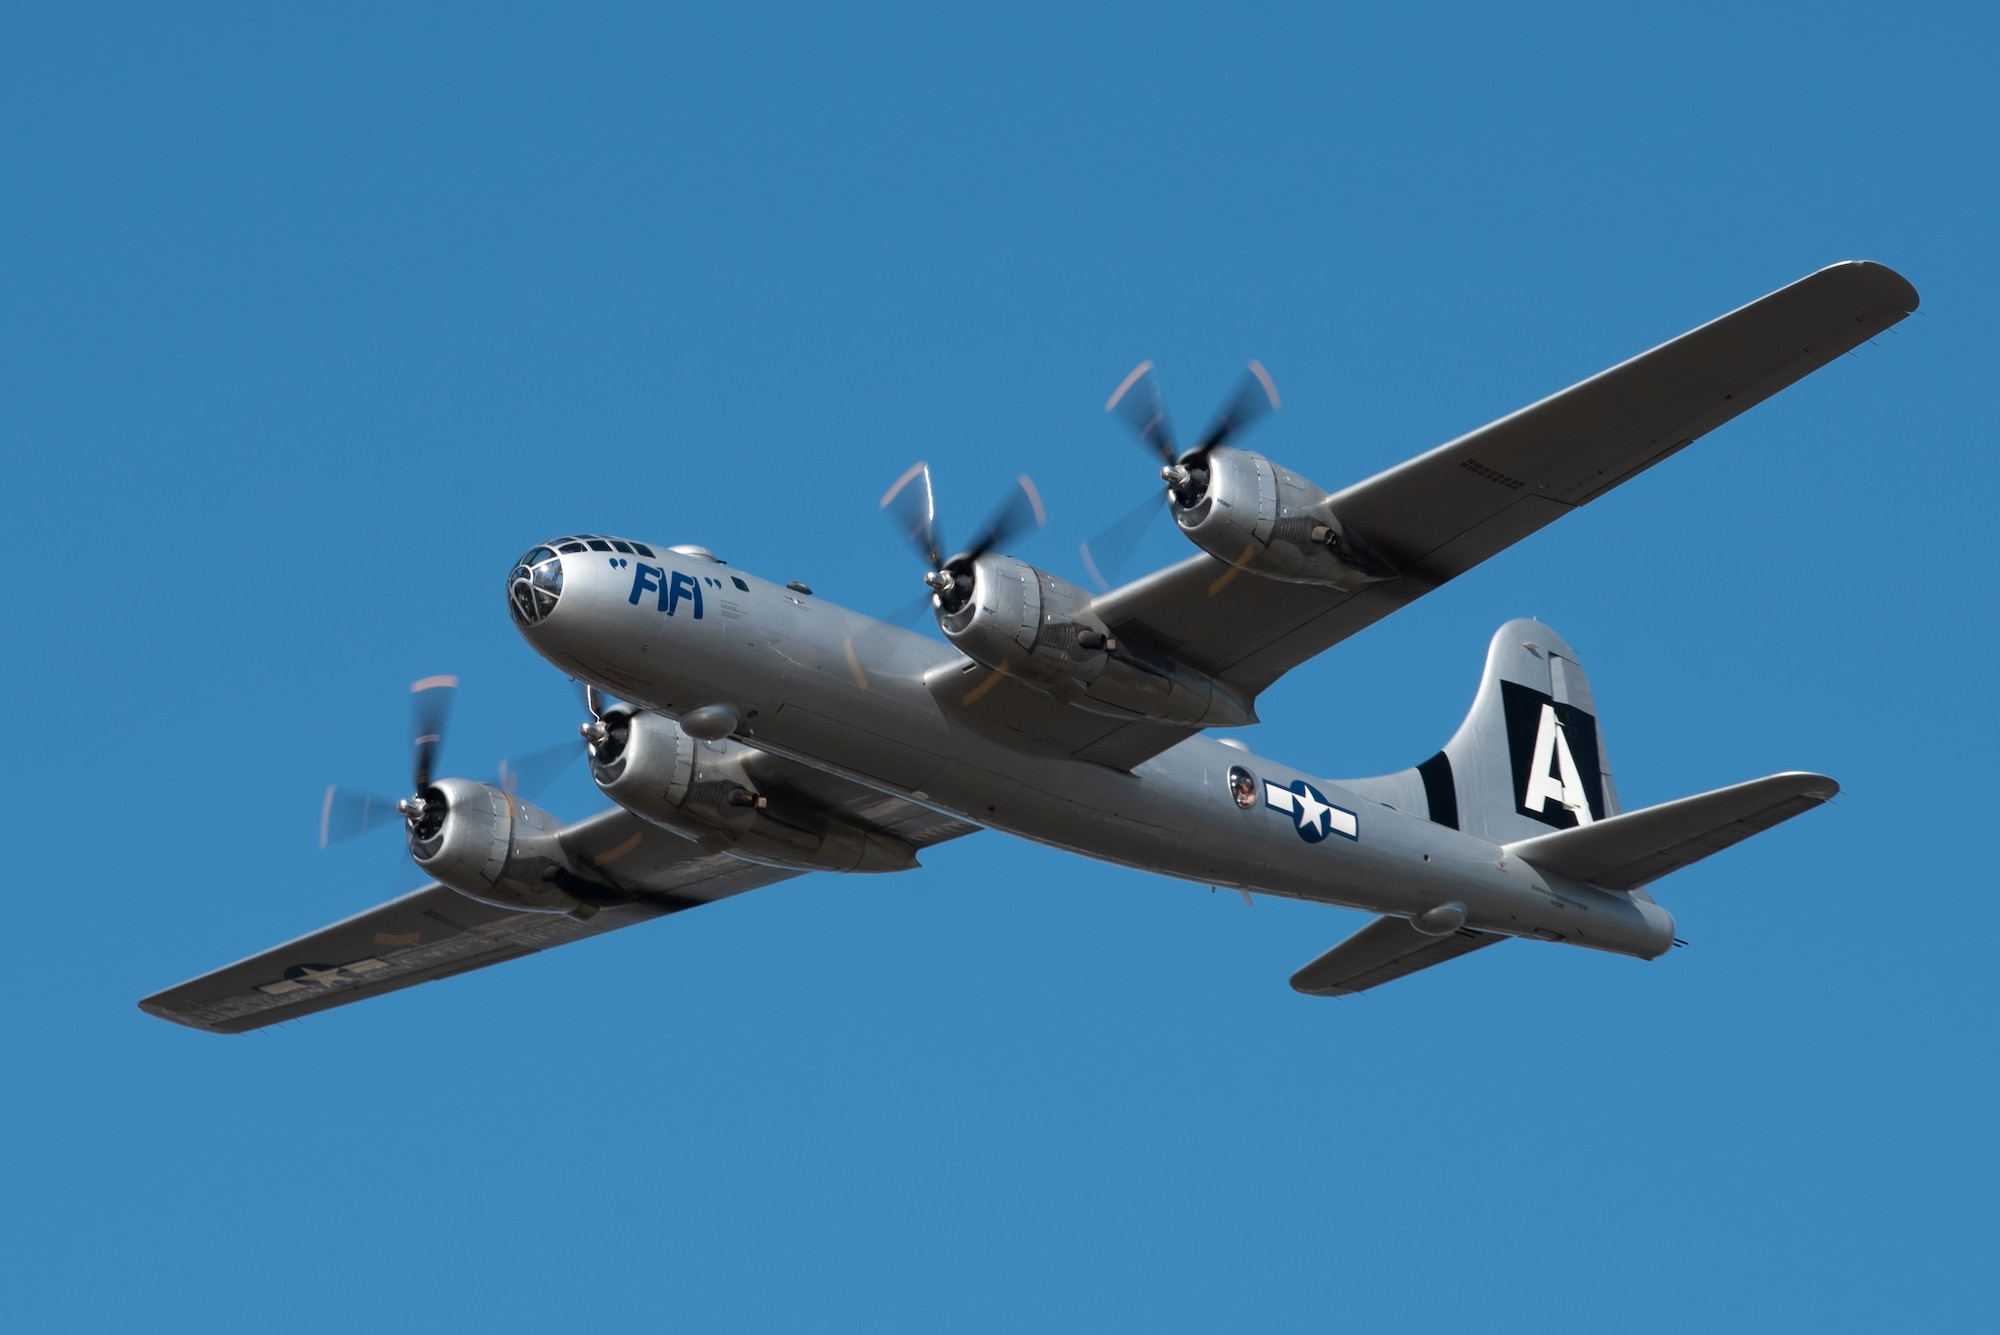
<point x="607" y="858"/>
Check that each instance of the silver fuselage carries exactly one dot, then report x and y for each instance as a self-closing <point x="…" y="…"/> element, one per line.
<point x="842" y="692"/>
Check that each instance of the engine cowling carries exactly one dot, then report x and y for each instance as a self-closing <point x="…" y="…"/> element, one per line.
<point x="497" y="849"/>
<point x="1241" y="508"/>
<point x="1041" y="631"/>
<point x="719" y="794"/>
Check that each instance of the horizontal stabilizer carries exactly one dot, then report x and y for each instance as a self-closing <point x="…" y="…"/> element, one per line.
<point x="1625" y="852"/>
<point x="1382" y="952"/>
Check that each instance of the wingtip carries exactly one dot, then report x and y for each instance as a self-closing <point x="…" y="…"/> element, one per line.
<point x="152" y="1006"/>
<point x="1798" y="783"/>
<point x="1891" y="287"/>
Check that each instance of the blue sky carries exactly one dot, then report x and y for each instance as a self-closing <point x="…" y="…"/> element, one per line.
<point x="313" y="321"/>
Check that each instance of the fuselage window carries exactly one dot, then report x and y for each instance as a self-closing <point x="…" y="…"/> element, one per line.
<point x="741" y="586"/>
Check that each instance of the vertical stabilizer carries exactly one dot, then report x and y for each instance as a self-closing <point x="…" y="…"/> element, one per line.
<point x="1529" y="759"/>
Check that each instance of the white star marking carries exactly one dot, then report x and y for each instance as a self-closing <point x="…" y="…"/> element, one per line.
<point x="1313" y="816"/>
<point x="323" y="977"/>
<point x="328" y="976"/>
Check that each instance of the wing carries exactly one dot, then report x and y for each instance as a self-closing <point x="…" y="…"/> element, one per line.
<point x="1382" y="952"/>
<point x="1442" y="513"/>
<point x="436" y="932"/>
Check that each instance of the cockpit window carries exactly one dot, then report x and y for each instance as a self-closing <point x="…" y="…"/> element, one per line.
<point x="643" y="550"/>
<point x="574" y="546"/>
<point x="534" y="586"/>
<point x="619" y="546"/>
<point x="599" y="545"/>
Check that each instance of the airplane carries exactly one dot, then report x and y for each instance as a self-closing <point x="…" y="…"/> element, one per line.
<point x="748" y="732"/>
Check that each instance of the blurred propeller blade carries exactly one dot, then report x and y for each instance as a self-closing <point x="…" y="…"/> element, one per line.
<point x="346" y="813"/>
<point x="1021" y="511"/>
<point x="1255" y="396"/>
<point x="877" y="645"/>
<point x="913" y="614"/>
<point x="430" y="704"/>
<point x="594" y="701"/>
<point x="1137" y="403"/>
<point x="531" y="773"/>
<point x="913" y="510"/>
<point x="1106" y="554"/>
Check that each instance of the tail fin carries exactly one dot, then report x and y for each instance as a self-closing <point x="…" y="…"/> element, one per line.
<point x="1529" y="759"/>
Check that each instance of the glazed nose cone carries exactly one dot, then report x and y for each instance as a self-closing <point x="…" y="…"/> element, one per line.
<point x="533" y="587"/>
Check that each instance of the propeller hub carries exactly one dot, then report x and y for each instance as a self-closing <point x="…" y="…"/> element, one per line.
<point x="940" y="581"/>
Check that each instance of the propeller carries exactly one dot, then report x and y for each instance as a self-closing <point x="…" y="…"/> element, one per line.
<point x="347" y="812"/>
<point x="1137" y="403"/>
<point x="430" y="706"/>
<point x="535" y="771"/>
<point x="912" y="507"/>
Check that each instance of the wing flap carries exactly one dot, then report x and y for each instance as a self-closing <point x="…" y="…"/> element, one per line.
<point x="1631" y="850"/>
<point x="918" y="826"/>
<point x="1382" y="952"/>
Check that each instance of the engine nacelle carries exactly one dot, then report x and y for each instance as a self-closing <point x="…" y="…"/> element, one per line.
<point x="1241" y="508"/>
<point x="1042" y="632"/>
<point x="713" y="792"/>
<point x="497" y="849"/>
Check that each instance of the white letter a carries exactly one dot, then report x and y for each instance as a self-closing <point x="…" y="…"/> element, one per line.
<point x="1552" y="774"/>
